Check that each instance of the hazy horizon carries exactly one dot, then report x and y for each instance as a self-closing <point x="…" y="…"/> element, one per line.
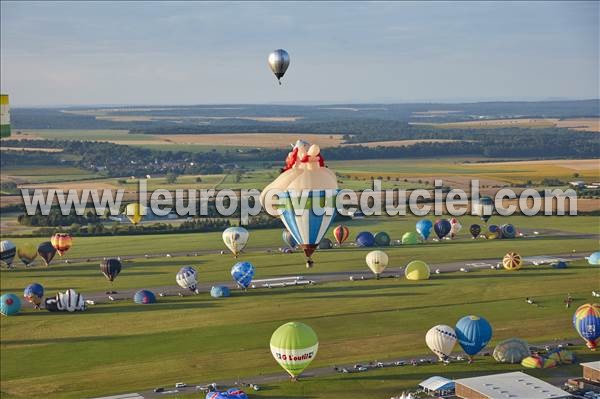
<point x="107" y="53"/>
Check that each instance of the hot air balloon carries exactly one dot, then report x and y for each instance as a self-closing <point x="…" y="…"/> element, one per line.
<point x="594" y="259"/>
<point x="475" y="229"/>
<point x="473" y="333"/>
<point x="235" y="238"/>
<point x="377" y="262"/>
<point x="382" y="239"/>
<point x="538" y="362"/>
<point x="562" y="356"/>
<point x="417" y="270"/>
<point x="441" y="340"/>
<point x="294" y="345"/>
<point x="325" y="244"/>
<point x="288" y="239"/>
<point x="144" y="297"/>
<point x="47" y="252"/>
<point x="187" y="278"/>
<point x="34" y="293"/>
<point x="423" y="227"/>
<point x="341" y="234"/>
<point x="512" y="350"/>
<point x="135" y="212"/>
<point x="68" y="301"/>
<point x="27" y="253"/>
<point x="508" y="231"/>
<point x="365" y="239"/>
<point x="110" y="268"/>
<point x="484" y="208"/>
<point x="219" y="291"/>
<point x="306" y="192"/>
<point x="586" y="321"/>
<point x="242" y="273"/>
<point x="61" y="242"/>
<point x="8" y="251"/>
<point x="410" y="238"/>
<point x="279" y="61"/>
<point x="455" y="227"/>
<point x="10" y="304"/>
<point x="512" y="261"/>
<point x="442" y="227"/>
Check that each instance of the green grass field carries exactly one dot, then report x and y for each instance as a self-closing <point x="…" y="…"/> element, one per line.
<point x="124" y="347"/>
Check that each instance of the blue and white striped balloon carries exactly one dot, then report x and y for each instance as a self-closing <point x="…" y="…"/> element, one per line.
<point x="242" y="273"/>
<point x="305" y="225"/>
<point x="187" y="278"/>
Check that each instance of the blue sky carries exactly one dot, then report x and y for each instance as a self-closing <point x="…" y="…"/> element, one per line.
<point x="191" y="53"/>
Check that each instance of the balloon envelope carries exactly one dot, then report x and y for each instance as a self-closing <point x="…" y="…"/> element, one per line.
<point x="377" y="261"/>
<point x="242" y="273"/>
<point x="187" y="278"/>
<point x="475" y="229"/>
<point x="287" y="238"/>
<point x="512" y="350"/>
<point x="219" y="291"/>
<point x="27" y="253"/>
<point x="423" y="227"/>
<point x="34" y="293"/>
<point x="586" y="321"/>
<point x="442" y="227"/>
<point x="144" y="297"/>
<point x="594" y="259"/>
<point x="62" y="242"/>
<point x="473" y="333"/>
<point x="294" y="345"/>
<point x="135" y="212"/>
<point x="110" y="268"/>
<point x="410" y="238"/>
<point x="382" y="239"/>
<point x="325" y="244"/>
<point x="235" y="238"/>
<point x="341" y="233"/>
<point x="441" y="339"/>
<point x="484" y="208"/>
<point x="8" y="250"/>
<point x="365" y="239"/>
<point x="512" y="261"/>
<point x="279" y="61"/>
<point x="10" y="304"/>
<point x="455" y="227"/>
<point x="47" y="252"/>
<point x="508" y="231"/>
<point x="417" y="270"/>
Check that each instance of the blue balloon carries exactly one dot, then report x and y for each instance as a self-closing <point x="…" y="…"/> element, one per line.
<point x="424" y="228"/>
<point x="508" y="231"/>
<point x="365" y="239"/>
<point x="560" y="265"/>
<point x="34" y="290"/>
<point x="442" y="227"/>
<point x="242" y="273"/>
<point x="10" y="304"/>
<point x="144" y="297"/>
<point x="219" y="291"/>
<point x="473" y="333"/>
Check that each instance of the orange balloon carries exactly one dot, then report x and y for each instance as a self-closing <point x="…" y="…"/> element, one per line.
<point x="61" y="242"/>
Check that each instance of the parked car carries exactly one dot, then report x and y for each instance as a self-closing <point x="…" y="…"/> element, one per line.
<point x="399" y="363"/>
<point x="380" y="365"/>
<point x="345" y="371"/>
<point x="180" y="385"/>
<point x="361" y="369"/>
<point x="159" y="389"/>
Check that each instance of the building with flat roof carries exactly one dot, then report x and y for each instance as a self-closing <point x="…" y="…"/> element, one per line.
<point x="591" y="371"/>
<point x="515" y="385"/>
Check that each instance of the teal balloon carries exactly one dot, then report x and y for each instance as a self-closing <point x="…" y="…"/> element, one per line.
<point x="10" y="304"/>
<point x="382" y="239"/>
<point x="423" y="227"/>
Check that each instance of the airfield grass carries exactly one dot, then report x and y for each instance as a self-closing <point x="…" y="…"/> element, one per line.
<point x="121" y="346"/>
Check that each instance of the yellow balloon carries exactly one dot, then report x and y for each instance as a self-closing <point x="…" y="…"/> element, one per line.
<point x="27" y="253"/>
<point x="417" y="270"/>
<point x="135" y="212"/>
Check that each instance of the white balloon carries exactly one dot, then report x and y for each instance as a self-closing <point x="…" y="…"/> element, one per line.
<point x="236" y="238"/>
<point x="377" y="261"/>
<point x="441" y="340"/>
